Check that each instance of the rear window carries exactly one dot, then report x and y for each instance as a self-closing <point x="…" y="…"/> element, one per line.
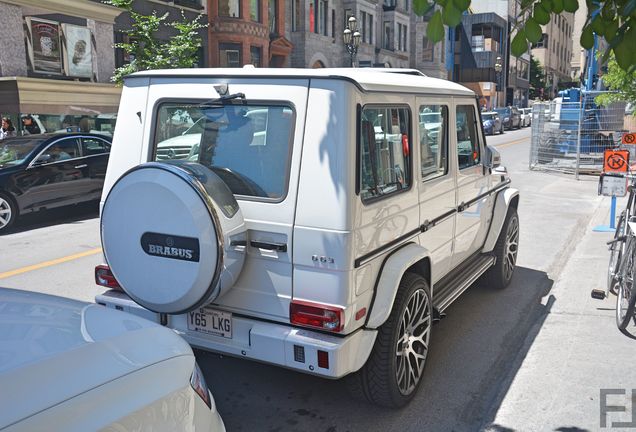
<point x="247" y="145"/>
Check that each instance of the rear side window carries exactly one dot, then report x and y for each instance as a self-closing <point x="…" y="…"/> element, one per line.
<point x="433" y="140"/>
<point x="94" y="146"/>
<point x="247" y="145"/>
<point x="384" y="148"/>
<point x="468" y="152"/>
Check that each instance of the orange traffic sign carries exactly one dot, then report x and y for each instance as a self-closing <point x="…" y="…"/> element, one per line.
<point x="616" y="160"/>
<point x="629" y="138"/>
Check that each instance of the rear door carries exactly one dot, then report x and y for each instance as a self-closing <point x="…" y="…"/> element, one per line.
<point x="473" y="182"/>
<point x="95" y="152"/>
<point x="254" y="145"/>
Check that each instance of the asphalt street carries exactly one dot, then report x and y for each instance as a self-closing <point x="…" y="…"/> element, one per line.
<point x="526" y="358"/>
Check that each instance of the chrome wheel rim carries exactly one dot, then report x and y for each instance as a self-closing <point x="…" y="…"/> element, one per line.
<point x="5" y="213"/>
<point x="512" y="246"/>
<point x="412" y="346"/>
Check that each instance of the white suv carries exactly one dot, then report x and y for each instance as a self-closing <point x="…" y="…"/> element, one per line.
<point x="319" y="223"/>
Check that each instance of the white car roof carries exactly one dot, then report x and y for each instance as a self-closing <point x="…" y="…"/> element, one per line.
<point x="367" y="79"/>
<point x="53" y="348"/>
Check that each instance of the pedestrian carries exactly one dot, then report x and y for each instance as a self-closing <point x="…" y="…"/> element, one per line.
<point x="7" y="130"/>
<point x="30" y="126"/>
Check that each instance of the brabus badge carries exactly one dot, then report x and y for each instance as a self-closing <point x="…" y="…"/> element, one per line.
<point x="171" y="246"/>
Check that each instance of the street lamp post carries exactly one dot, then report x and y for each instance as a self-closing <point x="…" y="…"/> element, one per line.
<point x="498" y="69"/>
<point x="351" y="37"/>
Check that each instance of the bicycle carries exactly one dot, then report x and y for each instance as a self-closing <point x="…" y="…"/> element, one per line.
<point x="621" y="271"/>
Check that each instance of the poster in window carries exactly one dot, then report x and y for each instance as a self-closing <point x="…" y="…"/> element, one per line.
<point x="78" y="56"/>
<point x="44" y="46"/>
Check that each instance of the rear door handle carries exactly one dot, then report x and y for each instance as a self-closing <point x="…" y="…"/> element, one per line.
<point x="279" y="247"/>
<point x="81" y="166"/>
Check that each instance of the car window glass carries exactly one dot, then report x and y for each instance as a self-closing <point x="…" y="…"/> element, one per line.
<point x="468" y="153"/>
<point x="93" y="146"/>
<point x="385" y="151"/>
<point x="63" y="150"/>
<point x="433" y="128"/>
<point x="247" y="145"/>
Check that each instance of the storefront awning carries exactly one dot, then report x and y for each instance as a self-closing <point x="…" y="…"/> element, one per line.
<point x="47" y="96"/>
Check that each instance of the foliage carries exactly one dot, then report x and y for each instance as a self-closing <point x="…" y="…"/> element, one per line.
<point x="148" y="52"/>
<point x="537" y="79"/>
<point x="613" y="20"/>
<point x="621" y="82"/>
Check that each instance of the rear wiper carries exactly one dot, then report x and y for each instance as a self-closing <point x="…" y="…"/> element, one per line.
<point x="223" y="99"/>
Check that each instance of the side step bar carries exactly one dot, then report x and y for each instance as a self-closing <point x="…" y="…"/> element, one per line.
<point x="448" y="290"/>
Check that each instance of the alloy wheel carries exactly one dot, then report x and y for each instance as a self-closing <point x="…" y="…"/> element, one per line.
<point x="512" y="247"/>
<point x="412" y="346"/>
<point x="5" y="212"/>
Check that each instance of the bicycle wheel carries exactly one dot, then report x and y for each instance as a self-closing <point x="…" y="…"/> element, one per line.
<point x="616" y="252"/>
<point x="626" y="296"/>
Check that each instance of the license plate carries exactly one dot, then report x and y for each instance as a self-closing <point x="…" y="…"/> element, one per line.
<point x="211" y="321"/>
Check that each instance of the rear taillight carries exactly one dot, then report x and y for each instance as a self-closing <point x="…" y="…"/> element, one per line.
<point x="104" y="277"/>
<point x="317" y="316"/>
<point x="197" y="381"/>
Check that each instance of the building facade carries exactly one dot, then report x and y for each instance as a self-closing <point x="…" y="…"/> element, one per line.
<point x="244" y="32"/>
<point x="56" y="62"/>
<point x="554" y="52"/>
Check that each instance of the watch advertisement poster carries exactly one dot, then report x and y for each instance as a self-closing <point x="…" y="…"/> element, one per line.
<point x="45" y="49"/>
<point x="78" y="56"/>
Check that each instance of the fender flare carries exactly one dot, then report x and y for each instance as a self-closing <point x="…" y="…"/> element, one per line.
<point x="502" y="202"/>
<point x="392" y="270"/>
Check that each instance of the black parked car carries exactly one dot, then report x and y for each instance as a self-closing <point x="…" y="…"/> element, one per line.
<point x="50" y="170"/>
<point x="511" y="117"/>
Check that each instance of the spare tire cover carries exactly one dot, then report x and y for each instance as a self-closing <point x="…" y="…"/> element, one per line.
<point x="162" y="230"/>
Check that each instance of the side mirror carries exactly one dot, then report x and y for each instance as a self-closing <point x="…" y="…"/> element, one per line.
<point x="44" y="158"/>
<point x="493" y="158"/>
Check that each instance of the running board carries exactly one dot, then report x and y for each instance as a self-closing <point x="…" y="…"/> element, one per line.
<point x="452" y="286"/>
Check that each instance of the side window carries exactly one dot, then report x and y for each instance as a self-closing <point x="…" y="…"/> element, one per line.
<point x="384" y="148"/>
<point x="94" y="146"/>
<point x="468" y="152"/>
<point x="433" y="126"/>
<point x="62" y="150"/>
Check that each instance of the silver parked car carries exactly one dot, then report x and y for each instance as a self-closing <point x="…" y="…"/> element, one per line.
<point x="71" y="366"/>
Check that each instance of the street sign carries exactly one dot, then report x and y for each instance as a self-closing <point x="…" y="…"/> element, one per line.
<point x="629" y="138"/>
<point x="615" y="160"/>
<point x="612" y="185"/>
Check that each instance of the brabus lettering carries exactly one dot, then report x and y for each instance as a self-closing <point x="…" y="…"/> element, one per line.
<point x="170" y="246"/>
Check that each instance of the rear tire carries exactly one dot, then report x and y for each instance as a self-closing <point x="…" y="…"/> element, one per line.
<point x="393" y="372"/>
<point x="626" y="296"/>
<point x="616" y="253"/>
<point x="8" y="212"/>
<point x="505" y="251"/>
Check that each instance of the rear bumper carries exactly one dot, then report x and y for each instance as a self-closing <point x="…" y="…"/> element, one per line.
<point x="279" y="344"/>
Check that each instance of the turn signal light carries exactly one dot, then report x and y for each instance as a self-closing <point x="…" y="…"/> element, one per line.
<point x="104" y="277"/>
<point x="317" y="316"/>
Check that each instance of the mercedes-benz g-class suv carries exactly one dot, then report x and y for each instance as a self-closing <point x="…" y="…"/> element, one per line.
<point x="311" y="219"/>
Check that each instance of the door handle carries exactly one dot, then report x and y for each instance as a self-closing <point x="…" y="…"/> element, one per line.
<point x="81" y="166"/>
<point x="279" y="247"/>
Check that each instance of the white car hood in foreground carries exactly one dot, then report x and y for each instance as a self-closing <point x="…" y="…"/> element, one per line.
<point x="52" y="349"/>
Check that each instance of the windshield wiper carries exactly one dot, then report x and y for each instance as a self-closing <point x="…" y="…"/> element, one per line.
<point x="223" y="99"/>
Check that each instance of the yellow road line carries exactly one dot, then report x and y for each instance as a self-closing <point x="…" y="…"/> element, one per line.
<point x="50" y="263"/>
<point x="512" y="143"/>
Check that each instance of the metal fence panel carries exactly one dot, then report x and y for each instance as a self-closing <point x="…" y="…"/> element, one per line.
<point x="571" y="137"/>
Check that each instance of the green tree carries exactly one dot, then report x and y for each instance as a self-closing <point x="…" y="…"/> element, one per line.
<point x="148" y="52"/>
<point x="621" y="82"/>
<point x="537" y="79"/>
<point x="613" y="20"/>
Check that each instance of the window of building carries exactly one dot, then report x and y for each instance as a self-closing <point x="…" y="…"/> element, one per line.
<point x="367" y="27"/>
<point x="271" y="15"/>
<point x="318" y="17"/>
<point x="255" y="11"/>
<point x="543" y="42"/>
<point x="385" y="151"/>
<point x="296" y="16"/>
<point x="230" y="8"/>
<point x="427" y="49"/>
<point x="387" y="36"/>
<point x="333" y="23"/>
<point x="402" y="37"/>
<point x="468" y="150"/>
<point x="433" y="128"/>
<point x="256" y="56"/>
<point x="230" y="55"/>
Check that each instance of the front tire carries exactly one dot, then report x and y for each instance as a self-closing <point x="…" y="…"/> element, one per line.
<point x="394" y="369"/>
<point x="505" y="251"/>
<point x="626" y="295"/>
<point x="616" y="253"/>
<point x="8" y="212"/>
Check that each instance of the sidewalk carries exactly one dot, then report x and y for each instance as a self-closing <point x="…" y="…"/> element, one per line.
<point x="577" y="351"/>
